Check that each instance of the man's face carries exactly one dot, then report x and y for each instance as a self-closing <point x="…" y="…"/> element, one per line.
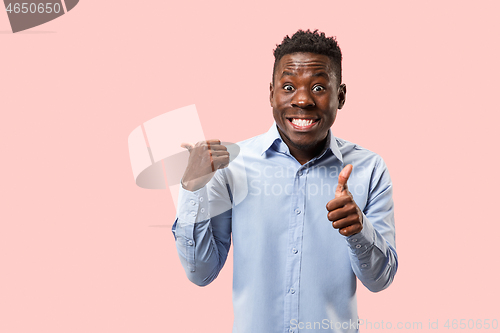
<point x="305" y="97"/>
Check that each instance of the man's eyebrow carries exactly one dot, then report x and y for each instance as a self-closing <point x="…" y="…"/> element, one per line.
<point x="323" y="74"/>
<point x="288" y="73"/>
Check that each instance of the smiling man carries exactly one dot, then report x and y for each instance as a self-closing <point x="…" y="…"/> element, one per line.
<point x="305" y="101"/>
<point x="308" y="213"/>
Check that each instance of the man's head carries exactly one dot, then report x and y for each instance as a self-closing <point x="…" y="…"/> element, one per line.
<point x="306" y="91"/>
<point x="311" y="42"/>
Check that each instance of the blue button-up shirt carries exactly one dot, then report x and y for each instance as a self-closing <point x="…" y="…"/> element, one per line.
<point x="292" y="271"/>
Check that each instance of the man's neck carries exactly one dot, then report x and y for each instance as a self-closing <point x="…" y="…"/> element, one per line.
<point x="305" y="154"/>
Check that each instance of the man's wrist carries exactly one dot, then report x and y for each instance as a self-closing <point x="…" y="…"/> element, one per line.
<point x="191" y="186"/>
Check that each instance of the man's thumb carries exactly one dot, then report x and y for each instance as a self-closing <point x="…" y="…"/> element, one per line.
<point x="343" y="177"/>
<point x="187" y="145"/>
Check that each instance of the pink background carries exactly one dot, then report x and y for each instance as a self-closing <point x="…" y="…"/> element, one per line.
<point x="83" y="249"/>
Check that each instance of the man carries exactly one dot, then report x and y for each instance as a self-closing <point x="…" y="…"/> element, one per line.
<point x="292" y="270"/>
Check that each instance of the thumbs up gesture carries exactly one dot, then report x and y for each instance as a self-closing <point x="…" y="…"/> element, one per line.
<point x="342" y="210"/>
<point x="205" y="157"/>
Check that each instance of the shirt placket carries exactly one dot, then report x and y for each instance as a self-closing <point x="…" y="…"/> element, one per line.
<point x="294" y="250"/>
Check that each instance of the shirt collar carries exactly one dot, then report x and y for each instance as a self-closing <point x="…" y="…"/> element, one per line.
<point x="272" y="136"/>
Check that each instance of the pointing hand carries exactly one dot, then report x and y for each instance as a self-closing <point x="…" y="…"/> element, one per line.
<point x="205" y="157"/>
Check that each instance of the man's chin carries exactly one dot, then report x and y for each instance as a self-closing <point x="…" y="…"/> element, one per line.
<point x="299" y="142"/>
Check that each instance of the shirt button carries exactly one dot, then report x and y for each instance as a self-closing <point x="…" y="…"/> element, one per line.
<point x="193" y="213"/>
<point x="354" y="240"/>
<point x="290" y="330"/>
<point x="364" y="265"/>
<point x="190" y="242"/>
<point x="358" y="246"/>
<point x="201" y="199"/>
<point x="192" y="202"/>
<point x="295" y="251"/>
<point x="297" y="211"/>
<point x="203" y="210"/>
<point x="292" y="291"/>
<point x="300" y="173"/>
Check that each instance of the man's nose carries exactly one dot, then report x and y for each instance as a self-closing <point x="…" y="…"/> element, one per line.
<point x="303" y="99"/>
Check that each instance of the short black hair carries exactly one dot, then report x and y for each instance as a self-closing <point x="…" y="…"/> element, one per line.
<point x="311" y="42"/>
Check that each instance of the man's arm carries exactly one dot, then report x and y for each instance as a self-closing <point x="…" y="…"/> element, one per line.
<point x="371" y="233"/>
<point x="202" y="228"/>
<point x="202" y="241"/>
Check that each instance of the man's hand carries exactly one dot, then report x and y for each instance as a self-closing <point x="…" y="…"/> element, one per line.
<point x="343" y="211"/>
<point x="205" y="157"/>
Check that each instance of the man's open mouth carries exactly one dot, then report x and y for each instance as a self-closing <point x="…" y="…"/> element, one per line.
<point x="302" y="123"/>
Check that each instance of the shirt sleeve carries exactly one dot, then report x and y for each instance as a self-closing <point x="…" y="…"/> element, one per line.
<point x="373" y="250"/>
<point x="202" y="230"/>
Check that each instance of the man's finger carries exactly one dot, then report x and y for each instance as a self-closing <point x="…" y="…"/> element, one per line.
<point x="211" y="157"/>
<point x="343" y="177"/>
<point x="345" y="222"/>
<point x="220" y="153"/>
<point x="213" y="142"/>
<point x="220" y="162"/>
<point x="351" y="230"/>
<point x="337" y="215"/>
<point x="214" y="146"/>
<point x="337" y="203"/>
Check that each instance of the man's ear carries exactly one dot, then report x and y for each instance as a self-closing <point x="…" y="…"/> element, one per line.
<point x="341" y="95"/>
<point x="271" y="93"/>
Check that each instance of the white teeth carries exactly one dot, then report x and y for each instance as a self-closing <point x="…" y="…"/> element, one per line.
<point x="302" y="122"/>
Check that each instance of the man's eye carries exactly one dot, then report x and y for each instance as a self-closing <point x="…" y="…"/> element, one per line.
<point x="318" y="88"/>
<point x="288" y="87"/>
